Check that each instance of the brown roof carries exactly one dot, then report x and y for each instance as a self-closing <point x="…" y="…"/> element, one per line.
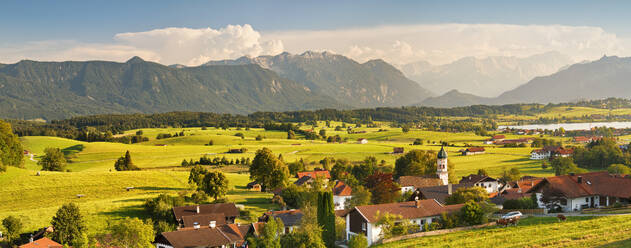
<point x="289" y="217"/>
<point x="205" y="236"/>
<point x="341" y="189"/>
<point x="314" y="174"/>
<point x="440" y="193"/>
<point x="593" y="183"/>
<point x="228" y="209"/>
<point x="407" y="210"/>
<point x="526" y="184"/>
<point x="203" y="219"/>
<point x="475" y="149"/>
<point x="475" y="178"/>
<point x="42" y="243"/>
<point x="499" y="136"/>
<point x="418" y="182"/>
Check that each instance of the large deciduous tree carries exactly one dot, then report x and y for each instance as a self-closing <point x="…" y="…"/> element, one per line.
<point x="420" y="163"/>
<point x="462" y="195"/>
<point x="268" y="170"/>
<point x="53" y="160"/>
<point x="130" y="233"/>
<point x="68" y="225"/>
<point x="10" y="148"/>
<point x="383" y="188"/>
<point x="13" y="226"/>
<point x="215" y="184"/>
<point x="124" y="163"/>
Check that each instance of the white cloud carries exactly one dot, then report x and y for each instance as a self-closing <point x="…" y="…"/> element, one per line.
<point x="399" y="44"/>
<point x="443" y="43"/>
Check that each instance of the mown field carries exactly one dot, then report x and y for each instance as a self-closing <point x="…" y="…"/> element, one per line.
<point x="610" y="231"/>
<point x="36" y="198"/>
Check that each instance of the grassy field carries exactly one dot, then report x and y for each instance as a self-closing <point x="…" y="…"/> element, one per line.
<point x="611" y="231"/>
<point x="36" y="198"/>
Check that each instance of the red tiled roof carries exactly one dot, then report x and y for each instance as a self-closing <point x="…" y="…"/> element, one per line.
<point x="593" y="183"/>
<point x="228" y="209"/>
<point x="314" y="174"/>
<point x="341" y="189"/>
<point x="42" y="243"/>
<point x="407" y="210"/>
<point x="499" y="136"/>
<point x="475" y="149"/>
<point x="205" y="236"/>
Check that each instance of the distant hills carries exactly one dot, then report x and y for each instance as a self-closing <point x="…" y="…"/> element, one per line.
<point x="53" y="90"/>
<point x="488" y="77"/>
<point x="606" y="77"/>
<point x="371" y="84"/>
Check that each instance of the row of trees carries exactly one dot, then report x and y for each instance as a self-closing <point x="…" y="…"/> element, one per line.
<point x="205" y="160"/>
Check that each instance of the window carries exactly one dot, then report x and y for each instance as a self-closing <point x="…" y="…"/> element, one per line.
<point x="587" y="199"/>
<point x="363" y="226"/>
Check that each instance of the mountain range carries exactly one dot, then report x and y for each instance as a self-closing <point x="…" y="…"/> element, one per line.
<point x="606" y="77"/>
<point x="487" y="77"/>
<point x="374" y="83"/>
<point x="53" y="90"/>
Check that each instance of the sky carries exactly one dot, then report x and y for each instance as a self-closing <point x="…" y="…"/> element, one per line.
<point x="400" y="32"/>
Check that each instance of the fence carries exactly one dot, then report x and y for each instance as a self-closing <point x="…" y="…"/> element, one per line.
<point x="434" y="233"/>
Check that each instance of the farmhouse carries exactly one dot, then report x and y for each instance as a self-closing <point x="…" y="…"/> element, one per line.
<point x="341" y="193"/>
<point x="362" y="220"/>
<point x="220" y="213"/>
<point x="254" y="186"/>
<point x="550" y="152"/>
<point x="514" y="141"/>
<point x="212" y="235"/>
<point x="411" y="183"/>
<point x="578" y="191"/>
<point x="291" y="218"/>
<point x="362" y="141"/>
<point x="473" y="151"/>
<point x="397" y="150"/>
<point x="491" y="185"/>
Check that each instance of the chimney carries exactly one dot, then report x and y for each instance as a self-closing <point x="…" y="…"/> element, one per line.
<point x="30" y="240"/>
<point x="213" y="224"/>
<point x="449" y="189"/>
<point x="418" y="203"/>
<point x="198" y="209"/>
<point x="579" y="179"/>
<point x="196" y="225"/>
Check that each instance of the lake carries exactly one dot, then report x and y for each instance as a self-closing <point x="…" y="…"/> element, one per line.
<point x="572" y="126"/>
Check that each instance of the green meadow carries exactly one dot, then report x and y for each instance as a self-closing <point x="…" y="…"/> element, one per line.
<point x="104" y="195"/>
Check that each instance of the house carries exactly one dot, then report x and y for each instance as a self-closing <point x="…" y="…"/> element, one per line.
<point x="439" y="193"/>
<point x="498" y="137"/>
<point x="508" y="194"/>
<point x="305" y="180"/>
<point x="291" y="218"/>
<point x="491" y="185"/>
<point x="254" y="186"/>
<point x="397" y="150"/>
<point x="514" y="141"/>
<point x="473" y="151"/>
<point x="362" y="141"/>
<point x="362" y="220"/>
<point x="550" y="152"/>
<point x="42" y="243"/>
<point x="314" y="174"/>
<point x="341" y="193"/>
<point x="582" y="139"/>
<point x="220" y="213"/>
<point x="212" y="235"/>
<point x="411" y="183"/>
<point x="575" y="192"/>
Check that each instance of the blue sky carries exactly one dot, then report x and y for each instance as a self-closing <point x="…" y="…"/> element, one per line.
<point x="92" y="23"/>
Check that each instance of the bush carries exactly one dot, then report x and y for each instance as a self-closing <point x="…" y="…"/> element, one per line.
<point x="522" y="203"/>
<point x="259" y="138"/>
<point x="358" y="241"/>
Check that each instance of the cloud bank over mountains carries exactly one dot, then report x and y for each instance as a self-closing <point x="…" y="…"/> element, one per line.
<point x="397" y="44"/>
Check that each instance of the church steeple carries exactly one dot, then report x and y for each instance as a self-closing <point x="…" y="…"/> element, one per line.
<point x="441" y="166"/>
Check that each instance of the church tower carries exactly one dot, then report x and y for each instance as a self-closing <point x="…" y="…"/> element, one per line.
<point x="441" y="166"/>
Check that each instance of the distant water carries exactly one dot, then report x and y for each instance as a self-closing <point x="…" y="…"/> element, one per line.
<point x="572" y="126"/>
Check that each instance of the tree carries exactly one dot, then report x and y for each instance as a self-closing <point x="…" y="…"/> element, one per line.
<point x="619" y="169"/>
<point x="521" y="203"/>
<point x="68" y="225"/>
<point x="296" y="166"/>
<point x="472" y="213"/>
<point x="326" y="217"/>
<point x="599" y="154"/>
<point x="482" y="172"/>
<point x="511" y="175"/>
<point x="327" y="162"/>
<point x="270" y="235"/>
<point x="125" y="164"/>
<point x="259" y="138"/>
<point x="196" y="176"/>
<point x="418" y="142"/>
<point x="53" y="160"/>
<point x="268" y="170"/>
<point x="393" y="225"/>
<point x="358" y="241"/>
<point x="405" y="128"/>
<point x="131" y="233"/>
<point x="13" y="226"/>
<point x="308" y="235"/>
<point x="360" y="196"/>
<point x="462" y="195"/>
<point x="215" y="184"/>
<point x="291" y="134"/>
<point x="420" y="163"/>
<point x="11" y="151"/>
<point x="564" y="166"/>
<point x="382" y="188"/>
<point x="322" y="132"/>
